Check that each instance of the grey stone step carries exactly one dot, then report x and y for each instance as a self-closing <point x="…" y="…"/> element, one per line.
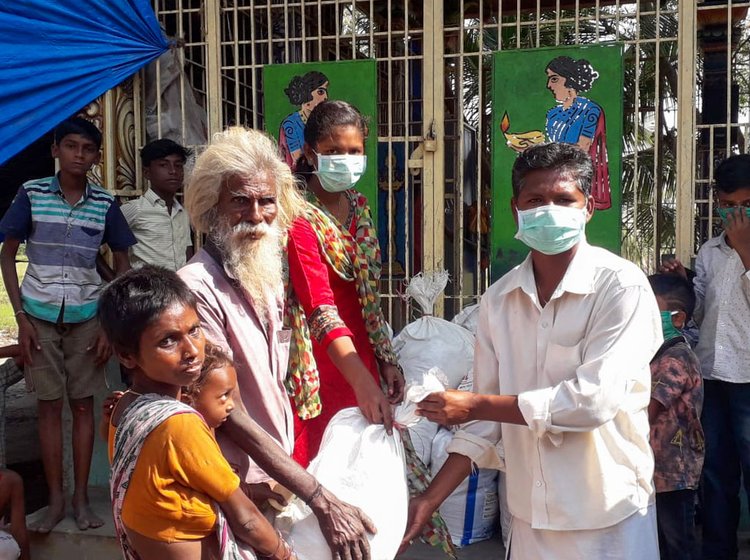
<point x="66" y="542"/>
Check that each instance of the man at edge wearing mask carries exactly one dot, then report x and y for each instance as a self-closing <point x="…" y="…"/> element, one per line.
<point x="561" y="381"/>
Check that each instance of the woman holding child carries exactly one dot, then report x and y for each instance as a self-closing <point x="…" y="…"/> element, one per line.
<point x="340" y="351"/>
<point x="174" y="495"/>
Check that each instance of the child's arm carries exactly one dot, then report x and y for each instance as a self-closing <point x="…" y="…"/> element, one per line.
<point x="27" y="336"/>
<point x="10" y="351"/>
<point x="108" y="407"/>
<point x="121" y="261"/>
<point x="103" y="268"/>
<point x="18" y="513"/>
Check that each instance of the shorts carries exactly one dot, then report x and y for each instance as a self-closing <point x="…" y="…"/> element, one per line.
<point x="64" y="364"/>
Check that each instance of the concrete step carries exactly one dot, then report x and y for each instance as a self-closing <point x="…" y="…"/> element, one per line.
<point x="66" y="542"/>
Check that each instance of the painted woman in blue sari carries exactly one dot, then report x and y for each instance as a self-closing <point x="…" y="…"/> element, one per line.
<point x="307" y="91"/>
<point x="578" y="120"/>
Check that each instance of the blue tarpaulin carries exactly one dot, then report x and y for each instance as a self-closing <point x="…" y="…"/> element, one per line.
<point x="58" y="55"/>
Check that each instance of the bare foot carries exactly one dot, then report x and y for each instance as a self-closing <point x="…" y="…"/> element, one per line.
<point x="54" y="514"/>
<point x="84" y="516"/>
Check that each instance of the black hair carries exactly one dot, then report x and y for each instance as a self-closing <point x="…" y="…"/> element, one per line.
<point x="322" y="121"/>
<point x="567" y="159"/>
<point x="135" y="300"/>
<point x="579" y="74"/>
<point x="300" y="88"/>
<point x="161" y="148"/>
<point x="733" y="174"/>
<point x="676" y="291"/>
<point x="215" y="358"/>
<point x="78" y="125"/>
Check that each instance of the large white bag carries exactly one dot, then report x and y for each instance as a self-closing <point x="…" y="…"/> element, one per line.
<point x="422" y="433"/>
<point x="364" y="466"/>
<point x="468" y="318"/>
<point x="471" y="511"/>
<point x="430" y="341"/>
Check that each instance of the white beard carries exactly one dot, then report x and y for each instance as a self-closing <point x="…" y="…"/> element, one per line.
<point x="252" y="253"/>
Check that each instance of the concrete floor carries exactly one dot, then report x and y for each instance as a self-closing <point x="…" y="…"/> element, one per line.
<point x="486" y="550"/>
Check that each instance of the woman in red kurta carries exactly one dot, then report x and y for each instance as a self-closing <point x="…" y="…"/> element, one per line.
<point x="334" y="267"/>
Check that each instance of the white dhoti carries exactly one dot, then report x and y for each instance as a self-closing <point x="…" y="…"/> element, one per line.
<point x="634" y="538"/>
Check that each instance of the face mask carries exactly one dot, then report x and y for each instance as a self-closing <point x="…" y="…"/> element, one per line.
<point x="551" y="229"/>
<point x="667" y="328"/>
<point x="724" y="212"/>
<point x="339" y="173"/>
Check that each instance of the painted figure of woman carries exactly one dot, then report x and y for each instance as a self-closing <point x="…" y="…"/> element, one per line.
<point x="307" y="91"/>
<point x="578" y="120"/>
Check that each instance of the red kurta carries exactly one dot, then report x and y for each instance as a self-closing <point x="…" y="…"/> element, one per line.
<point x="316" y="283"/>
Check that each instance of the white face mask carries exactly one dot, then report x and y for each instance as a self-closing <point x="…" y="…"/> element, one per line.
<point x="551" y="229"/>
<point x="340" y="172"/>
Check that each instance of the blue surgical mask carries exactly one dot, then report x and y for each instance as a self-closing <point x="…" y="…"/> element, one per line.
<point x="338" y="173"/>
<point x="551" y="229"/>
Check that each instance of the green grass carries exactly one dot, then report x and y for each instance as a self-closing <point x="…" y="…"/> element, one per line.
<point x="7" y="319"/>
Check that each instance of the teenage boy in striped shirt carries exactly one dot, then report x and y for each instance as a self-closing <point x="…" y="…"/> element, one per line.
<point x="157" y="219"/>
<point x="64" y="220"/>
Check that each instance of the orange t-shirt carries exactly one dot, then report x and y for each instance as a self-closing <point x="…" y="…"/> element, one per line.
<point x="177" y="475"/>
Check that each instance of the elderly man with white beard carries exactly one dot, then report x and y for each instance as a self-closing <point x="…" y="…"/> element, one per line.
<point x="244" y="198"/>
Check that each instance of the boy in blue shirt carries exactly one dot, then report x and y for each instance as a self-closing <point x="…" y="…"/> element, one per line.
<point x="64" y="220"/>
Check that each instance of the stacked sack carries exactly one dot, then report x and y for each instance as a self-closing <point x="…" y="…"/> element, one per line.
<point x="469" y="318"/>
<point x="471" y="511"/>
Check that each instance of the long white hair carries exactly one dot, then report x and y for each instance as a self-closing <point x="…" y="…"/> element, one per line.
<point x="239" y="152"/>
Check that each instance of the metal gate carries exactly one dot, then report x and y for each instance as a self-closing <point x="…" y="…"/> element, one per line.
<point x="686" y="99"/>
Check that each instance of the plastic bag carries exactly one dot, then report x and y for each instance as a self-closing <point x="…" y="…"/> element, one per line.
<point x="471" y="511"/>
<point x="364" y="466"/>
<point x="468" y="318"/>
<point x="430" y="341"/>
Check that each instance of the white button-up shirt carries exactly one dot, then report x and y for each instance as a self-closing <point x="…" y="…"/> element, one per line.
<point x="163" y="237"/>
<point x="722" y="289"/>
<point x="580" y="368"/>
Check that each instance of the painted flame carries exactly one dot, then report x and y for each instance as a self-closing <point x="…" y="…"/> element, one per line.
<point x="505" y="123"/>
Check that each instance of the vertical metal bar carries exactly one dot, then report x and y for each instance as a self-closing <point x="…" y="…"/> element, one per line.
<point x="181" y="56"/>
<point x="109" y="125"/>
<point x="138" y="117"/>
<point x="433" y="215"/>
<point x="518" y="24"/>
<point x="637" y="116"/>
<point x="478" y="285"/>
<point x="211" y="14"/>
<point x="303" y="34"/>
<point x="236" y="49"/>
<point x="458" y="158"/>
<point x="657" y="169"/>
<point x="728" y="130"/>
<point x="686" y="67"/>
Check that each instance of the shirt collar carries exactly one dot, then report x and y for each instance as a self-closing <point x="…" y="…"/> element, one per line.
<point x="578" y="278"/>
<point x="719" y="241"/>
<point x="54" y="186"/>
<point x="155" y="200"/>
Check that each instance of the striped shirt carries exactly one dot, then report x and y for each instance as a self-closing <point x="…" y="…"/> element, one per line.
<point x="163" y="238"/>
<point x="62" y="243"/>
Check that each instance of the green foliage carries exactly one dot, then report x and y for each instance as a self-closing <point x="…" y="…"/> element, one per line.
<point x="7" y="319"/>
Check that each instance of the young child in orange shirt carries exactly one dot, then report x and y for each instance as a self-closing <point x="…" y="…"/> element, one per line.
<point x="171" y="486"/>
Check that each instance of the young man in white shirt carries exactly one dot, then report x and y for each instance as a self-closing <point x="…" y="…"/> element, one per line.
<point x="562" y="379"/>
<point x="157" y="219"/>
<point x="722" y="290"/>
